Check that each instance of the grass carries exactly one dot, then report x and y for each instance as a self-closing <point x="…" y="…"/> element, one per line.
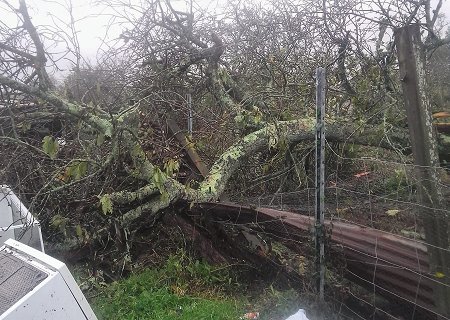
<point x="184" y="288"/>
<point x="181" y="289"/>
<point x="162" y="304"/>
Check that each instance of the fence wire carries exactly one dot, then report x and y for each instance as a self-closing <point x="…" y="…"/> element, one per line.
<point x="377" y="225"/>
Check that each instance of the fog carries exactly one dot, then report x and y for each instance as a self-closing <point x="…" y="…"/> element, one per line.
<point x="98" y="25"/>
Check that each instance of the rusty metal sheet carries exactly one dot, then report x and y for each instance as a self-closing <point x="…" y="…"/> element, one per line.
<point x="392" y="266"/>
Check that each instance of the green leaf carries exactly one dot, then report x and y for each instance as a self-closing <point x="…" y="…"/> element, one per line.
<point x="50" y="146"/>
<point x="159" y="179"/>
<point x="100" y="139"/>
<point x="171" y="166"/>
<point x="59" y="222"/>
<point x="77" y="170"/>
<point x="79" y="231"/>
<point x="106" y="203"/>
<point x="81" y="170"/>
<point x="392" y="212"/>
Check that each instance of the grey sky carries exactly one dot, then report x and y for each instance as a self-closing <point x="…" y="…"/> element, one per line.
<point x="92" y="28"/>
<point x="92" y="19"/>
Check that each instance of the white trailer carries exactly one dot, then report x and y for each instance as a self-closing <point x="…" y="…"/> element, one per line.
<point x="35" y="286"/>
<point x="16" y="222"/>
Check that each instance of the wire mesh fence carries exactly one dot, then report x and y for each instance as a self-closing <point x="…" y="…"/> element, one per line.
<point x="378" y="264"/>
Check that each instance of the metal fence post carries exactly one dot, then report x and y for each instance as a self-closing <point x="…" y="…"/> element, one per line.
<point x="320" y="180"/>
<point x="190" y="116"/>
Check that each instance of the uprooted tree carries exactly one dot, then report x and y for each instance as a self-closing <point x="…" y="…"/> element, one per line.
<point x="93" y="154"/>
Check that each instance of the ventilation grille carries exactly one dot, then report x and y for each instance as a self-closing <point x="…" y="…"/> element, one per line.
<point x="17" y="278"/>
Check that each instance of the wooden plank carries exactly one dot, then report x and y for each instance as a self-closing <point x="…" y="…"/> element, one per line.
<point x="182" y="138"/>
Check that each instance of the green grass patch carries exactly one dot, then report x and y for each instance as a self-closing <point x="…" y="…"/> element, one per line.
<point x="182" y="289"/>
<point x="185" y="289"/>
<point x="162" y="304"/>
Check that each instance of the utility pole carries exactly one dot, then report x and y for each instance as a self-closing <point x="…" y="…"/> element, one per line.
<point x="411" y="59"/>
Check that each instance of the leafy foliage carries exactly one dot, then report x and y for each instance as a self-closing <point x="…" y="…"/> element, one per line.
<point x="76" y="170"/>
<point x="106" y="204"/>
<point x="50" y="146"/>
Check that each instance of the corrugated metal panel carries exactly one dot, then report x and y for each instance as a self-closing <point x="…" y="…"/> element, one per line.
<point x="393" y="266"/>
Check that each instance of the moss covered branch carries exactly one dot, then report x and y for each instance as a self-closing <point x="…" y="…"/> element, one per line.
<point x="291" y="132"/>
<point x="103" y="125"/>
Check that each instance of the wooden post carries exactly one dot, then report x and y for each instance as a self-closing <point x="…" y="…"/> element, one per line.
<point x="320" y="180"/>
<point x="183" y="139"/>
<point x="411" y="58"/>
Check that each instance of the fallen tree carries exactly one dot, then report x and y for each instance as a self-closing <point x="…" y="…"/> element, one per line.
<point x="167" y="190"/>
<point x="97" y="171"/>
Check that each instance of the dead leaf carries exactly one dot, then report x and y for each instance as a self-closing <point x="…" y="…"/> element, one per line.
<point x="439" y="115"/>
<point x="362" y="174"/>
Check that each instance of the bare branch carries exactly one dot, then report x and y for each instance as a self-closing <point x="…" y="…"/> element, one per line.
<point x="40" y="59"/>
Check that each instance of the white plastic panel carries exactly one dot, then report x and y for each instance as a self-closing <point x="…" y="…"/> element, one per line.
<point x="55" y="297"/>
<point x="6" y="219"/>
<point x="16" y="222"/>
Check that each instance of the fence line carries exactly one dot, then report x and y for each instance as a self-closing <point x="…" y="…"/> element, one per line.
<point x="365" y="201"/>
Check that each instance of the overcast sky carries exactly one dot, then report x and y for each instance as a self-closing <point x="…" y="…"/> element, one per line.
<point x="93" y="19"/>
<point x="92" y="29"/>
